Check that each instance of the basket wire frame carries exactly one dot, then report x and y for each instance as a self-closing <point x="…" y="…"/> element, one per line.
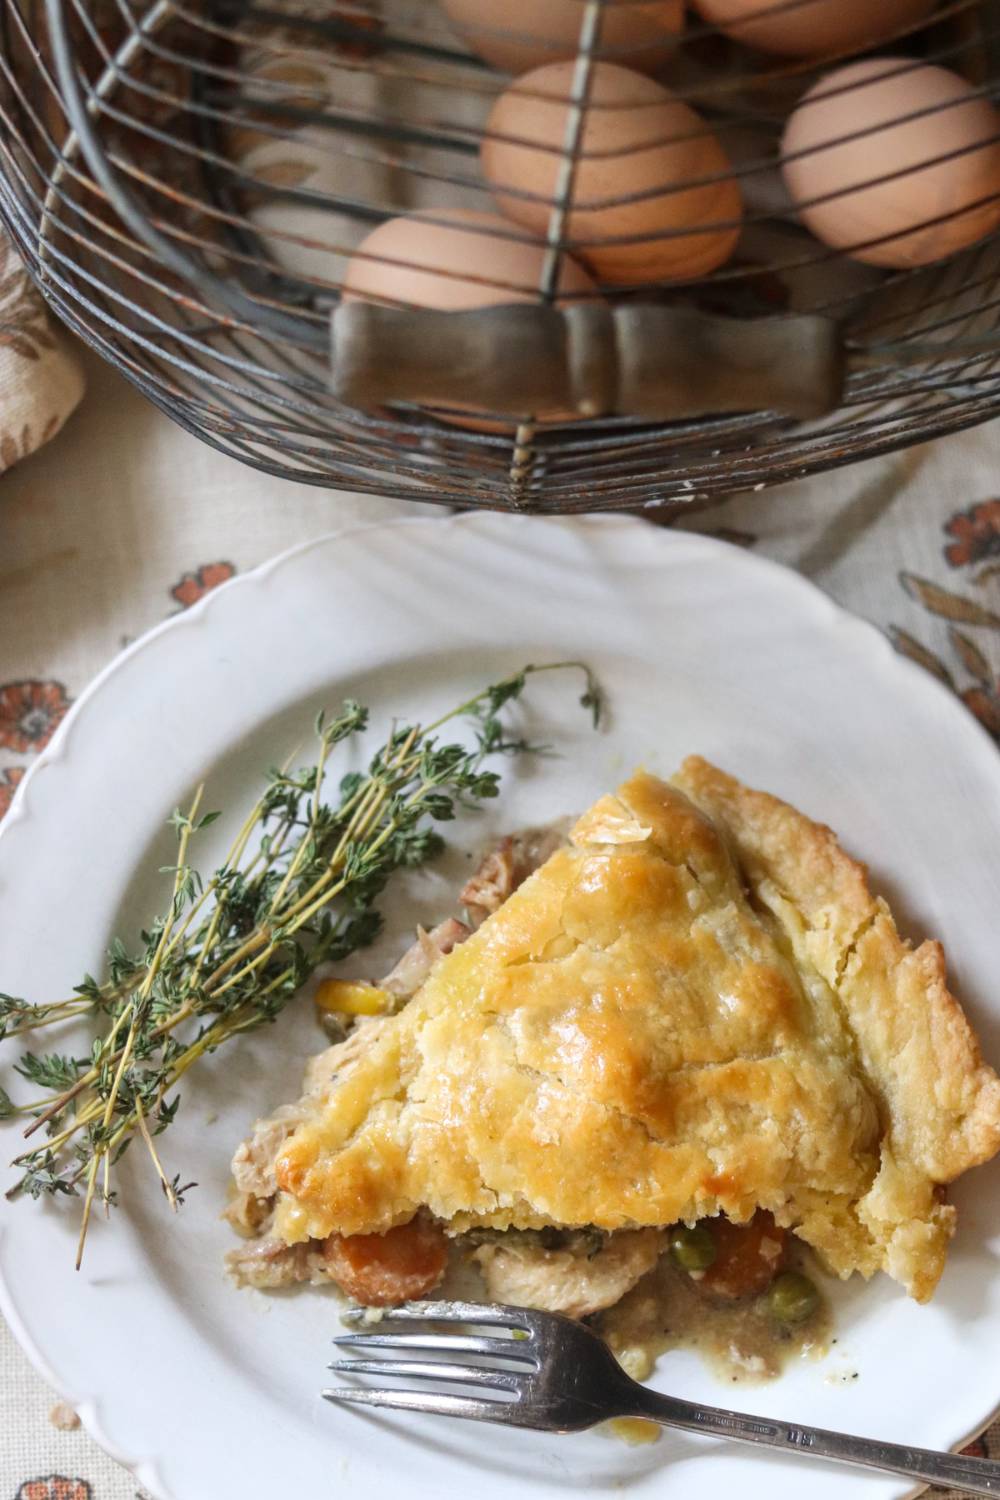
<point x="138" y="181"/>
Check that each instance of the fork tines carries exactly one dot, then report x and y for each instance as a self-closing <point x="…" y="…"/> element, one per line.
<point x="411" y="1331"/>
<point x="516" y="1319"/>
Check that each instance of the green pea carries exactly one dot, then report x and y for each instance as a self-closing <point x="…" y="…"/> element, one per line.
<point x="792" y="1298"/>
<point x="692" y="1249"/>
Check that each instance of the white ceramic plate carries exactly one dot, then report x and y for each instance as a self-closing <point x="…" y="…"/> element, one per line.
<point x="209" y="1392"/>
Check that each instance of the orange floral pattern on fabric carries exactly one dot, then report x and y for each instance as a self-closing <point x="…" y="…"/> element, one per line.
<point x="976" y="532"/>
<point x="30" y="713"/>
<point x="191" y="587"/>
<point x="55" y="1487"/>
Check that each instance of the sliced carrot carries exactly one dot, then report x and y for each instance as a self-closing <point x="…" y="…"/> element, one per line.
<point x="382" y="1270"/>
<point x="747" y="1256"/>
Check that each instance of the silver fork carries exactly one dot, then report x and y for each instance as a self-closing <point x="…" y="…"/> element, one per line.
<point x="545" y="1371"/>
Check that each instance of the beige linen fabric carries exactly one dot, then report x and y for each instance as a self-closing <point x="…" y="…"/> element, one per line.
<point x="124" y="519"/>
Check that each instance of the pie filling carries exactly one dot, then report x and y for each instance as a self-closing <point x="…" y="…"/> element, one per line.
<point x="655" y="1062"/>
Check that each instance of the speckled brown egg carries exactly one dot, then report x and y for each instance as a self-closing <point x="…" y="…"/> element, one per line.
<point x="523" y="34"/>
<point x="897" y="163"/>
<point x="653" y="197"/>
<point x="814" y="28"/>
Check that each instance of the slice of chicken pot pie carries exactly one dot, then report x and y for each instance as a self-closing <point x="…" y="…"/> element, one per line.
<point x="694" y="1008"/>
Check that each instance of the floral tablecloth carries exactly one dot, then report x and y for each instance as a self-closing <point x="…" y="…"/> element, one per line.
<point x="123" y="519"/>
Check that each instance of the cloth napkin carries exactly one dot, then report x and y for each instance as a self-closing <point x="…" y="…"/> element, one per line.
<point x="41" y="376"/>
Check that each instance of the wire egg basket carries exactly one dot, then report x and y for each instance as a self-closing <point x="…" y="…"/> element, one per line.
<point x="192" y="183"/>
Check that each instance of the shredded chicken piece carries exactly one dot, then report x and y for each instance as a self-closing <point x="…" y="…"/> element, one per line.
<point x="574" y="1280"/>
<point x="334" y="1062"/>
<point x="249" y="1215"/>
<point x="506" y="867"/>
<point x="253" y="1164"/>
<point x="269" y="1263"/>
<point x="419" y="959"/>
<point x="492" y="883"/>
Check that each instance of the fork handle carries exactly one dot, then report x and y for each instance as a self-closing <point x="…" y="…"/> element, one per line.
<point x="976" y="1476"/>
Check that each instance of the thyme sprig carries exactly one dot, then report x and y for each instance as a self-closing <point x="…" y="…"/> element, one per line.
<point x="298" y="887"/>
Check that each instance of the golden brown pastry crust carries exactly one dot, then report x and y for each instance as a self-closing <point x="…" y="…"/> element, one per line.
<point x="698" y="1007"/>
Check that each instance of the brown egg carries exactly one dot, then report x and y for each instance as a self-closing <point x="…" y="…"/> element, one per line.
<point x="814" y="27"/>
<point x="872" y="97"/>
<point x="523" y="34"/>
<point x="648" y="166"/>
<point x="473" y="260"/>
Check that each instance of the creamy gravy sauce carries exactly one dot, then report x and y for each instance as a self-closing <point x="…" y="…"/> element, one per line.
<point x="739" y="1342"/>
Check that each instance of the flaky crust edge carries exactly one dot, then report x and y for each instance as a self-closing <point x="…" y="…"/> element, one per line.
<point x="940" y="1101"/>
